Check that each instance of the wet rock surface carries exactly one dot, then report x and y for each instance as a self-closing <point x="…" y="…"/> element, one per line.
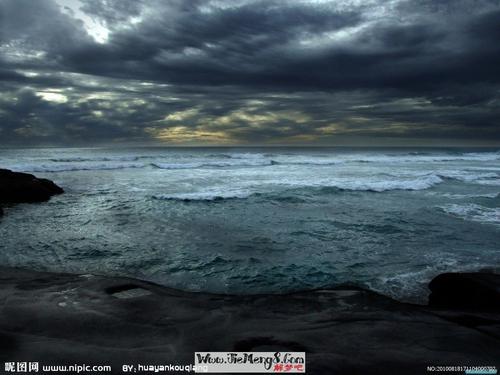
<point x="466" y="291"/>
<point x="16" y="187"/>
<point x="66" y="318"/>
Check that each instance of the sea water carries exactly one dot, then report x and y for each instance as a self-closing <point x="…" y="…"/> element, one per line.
<point x="258" y="220"/>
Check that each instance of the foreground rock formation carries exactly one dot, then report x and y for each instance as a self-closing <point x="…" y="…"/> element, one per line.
<point x="16" y="187"/>
<point x="65" y="318"/>
<point x="465" y="290"/>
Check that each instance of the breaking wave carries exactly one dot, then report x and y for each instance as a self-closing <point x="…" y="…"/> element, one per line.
<point x="474" y="212"/>
<point x="488" y="178"/>
<point x="95" y="159"/>
<point x="174" y="161"/>
<point x="207" y="196"/>
<point x="215" y="164"/>
<point x="48" y="168"/>
<point x="293" y="188"/>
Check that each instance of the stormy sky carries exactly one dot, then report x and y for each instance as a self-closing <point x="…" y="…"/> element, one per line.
<point x="249" y="72"/>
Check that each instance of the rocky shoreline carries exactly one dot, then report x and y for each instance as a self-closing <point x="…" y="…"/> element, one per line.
<point x="17" y="187"/>
<point x="66" y="318"/>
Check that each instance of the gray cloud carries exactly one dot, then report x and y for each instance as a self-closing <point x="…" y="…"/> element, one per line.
<point x="217" y="72"/>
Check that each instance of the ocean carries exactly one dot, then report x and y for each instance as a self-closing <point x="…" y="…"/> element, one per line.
<point x="260" y="220"/>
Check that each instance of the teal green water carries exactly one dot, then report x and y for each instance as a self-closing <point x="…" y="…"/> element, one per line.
<point x="260" y="220"/>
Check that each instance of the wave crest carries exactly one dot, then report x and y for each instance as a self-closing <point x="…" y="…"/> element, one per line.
<point x="52" y="168"/>
<point x="207" y="196"/>
<point x="474" y="212"/>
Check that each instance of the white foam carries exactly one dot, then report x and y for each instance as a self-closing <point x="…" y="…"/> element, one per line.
<point x="379" y="186"/>
<point x="483" y="178"/>
<point x="465" y="196"/>
<point x="214" y="164"/>
<point x="94" y="159"/>
<point x="209" y="195"/>
<point x="307" y="160"/>
<point x="246" y="155"/>
<point x="373" y="183"/>
<point x="177" y="165"/>
<point x="250" y="159"/>
<point x="474" y="212"/>
<point x="495" y="182"/>
<point x="405" y="158"/>
<point x="73" y="167"/>
<point x="244" y="190"/>
<point x="339" y="158"/>
<point x="412" y="286"/>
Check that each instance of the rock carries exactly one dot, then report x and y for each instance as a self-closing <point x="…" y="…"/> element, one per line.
<point x="465" y="291"/>
<point x="66" y="319"/>
<point x="16" y="187"/>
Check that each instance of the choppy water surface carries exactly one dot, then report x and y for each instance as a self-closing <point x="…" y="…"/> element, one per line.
<point x="260" y="220"/>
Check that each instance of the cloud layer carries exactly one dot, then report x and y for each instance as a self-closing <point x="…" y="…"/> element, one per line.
<point x="75" y="72"/>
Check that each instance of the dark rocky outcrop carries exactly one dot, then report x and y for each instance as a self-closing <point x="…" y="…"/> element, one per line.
<point x="65" y="318"/>
<point x="466" y="291"/>
<point x="16" y="187"/>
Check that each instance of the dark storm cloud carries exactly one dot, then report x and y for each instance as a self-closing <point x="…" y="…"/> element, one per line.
<point x="78" y="72"/>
